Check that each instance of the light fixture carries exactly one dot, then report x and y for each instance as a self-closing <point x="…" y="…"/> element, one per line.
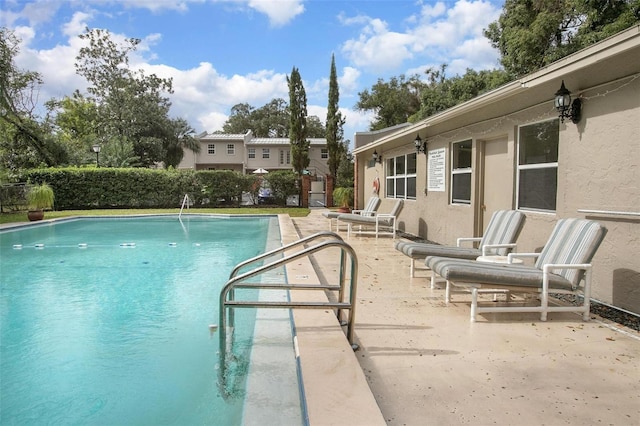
<point x="565" y="107"/>
<point x="377" y="158"/>
<point x="420" y="146"/>
<point x="96" y="149"/>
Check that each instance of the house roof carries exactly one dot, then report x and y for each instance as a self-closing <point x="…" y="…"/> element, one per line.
<point x="284" y="141"/>
<point x="221" y="136"/>
<point x="609" y="60"/>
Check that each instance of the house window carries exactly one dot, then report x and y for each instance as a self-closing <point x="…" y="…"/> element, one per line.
<point x="252" y="152"/>
<point x="285" y="157"/>
<point x="288" y="157"/>
<point x="265" y="152"/>
<point x="324" y="153"/>
<point x="281" y="156"/>
<point x="401" y="177"/>
<point x="211" y="149"/>
<point x="461" y="172"/>
<point x="231" y="149"/>
<point x="538" y="165"/>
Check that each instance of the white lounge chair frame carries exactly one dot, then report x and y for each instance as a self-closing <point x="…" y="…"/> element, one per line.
<point x="499" y="239"/>
<point x="379" y="224"/>
<point x="369" y="210"/>
<point x="563" y="264"/>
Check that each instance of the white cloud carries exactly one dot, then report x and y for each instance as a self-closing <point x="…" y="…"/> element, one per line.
<point x="280" y="12"/>
<point x="77" y="25"/>
<point x="348" y="82"/>
<point x="377" y="48"/>
<point x="438" y="35"/>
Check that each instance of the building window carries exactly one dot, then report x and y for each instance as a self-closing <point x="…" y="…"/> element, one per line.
<point x="231" y="149"/>
<point x="401" y="177"/>
<point x="538" y="165"/>
<point x="281" y="156"/>
<point x="265" y="152"/>
<point x="288" y="157"/>
<point x="252" y="152"/>
<point x="461" y="172"/>
<point x="324" y="153"/>
<point x="211" y="149"/>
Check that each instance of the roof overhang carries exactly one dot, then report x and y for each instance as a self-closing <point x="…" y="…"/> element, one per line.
<point x="609" y="60"/>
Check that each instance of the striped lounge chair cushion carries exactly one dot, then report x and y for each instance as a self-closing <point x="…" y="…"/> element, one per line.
<point x="469" y="271"/>
<point x="573" y="241"/>
<point x="422" y="250"/>
<point x="503" y="228"/>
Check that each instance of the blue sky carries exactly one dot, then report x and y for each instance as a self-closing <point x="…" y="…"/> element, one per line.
<point x="224" y="52"/>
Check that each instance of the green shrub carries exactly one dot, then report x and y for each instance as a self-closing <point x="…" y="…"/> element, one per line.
<point x="283" y="183"/>
<point x="92" y="188"/>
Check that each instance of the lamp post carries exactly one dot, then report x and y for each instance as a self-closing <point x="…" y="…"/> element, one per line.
<point x="96" y="149"/>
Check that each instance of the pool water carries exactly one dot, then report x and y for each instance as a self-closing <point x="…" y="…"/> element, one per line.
<point x="106" y="321"/>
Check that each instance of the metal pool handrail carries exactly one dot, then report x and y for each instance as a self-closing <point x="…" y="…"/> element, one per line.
<point x="185" y="201"/>
<point x="239" y="281"/>
<point x="282" y="249"/>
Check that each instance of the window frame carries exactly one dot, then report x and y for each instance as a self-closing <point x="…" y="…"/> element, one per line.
<point x="231" y="149"/>
<point x="402" y="180"/>
<point x="554" y="125"/>
<point x="211" y="149"/>
<point x="251" y="153"/>
<point x="460" y="171"/>
<point x="265" y="153"/>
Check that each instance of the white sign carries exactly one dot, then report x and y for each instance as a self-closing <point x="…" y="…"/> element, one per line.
<point x="436" y="170"/>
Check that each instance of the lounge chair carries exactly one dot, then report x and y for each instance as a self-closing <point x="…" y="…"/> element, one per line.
<point x="369" y="210"/>
<point x="561" y="267"/>
<point x="382" y="223"/>
<point x="499" y="239"/>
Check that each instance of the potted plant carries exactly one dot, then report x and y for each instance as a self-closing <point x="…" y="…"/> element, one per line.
<point x="39" y="198"/>
<point x="343" y="198"/>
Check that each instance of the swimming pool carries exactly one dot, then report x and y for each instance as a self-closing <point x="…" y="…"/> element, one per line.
<point x="106" y="320"/>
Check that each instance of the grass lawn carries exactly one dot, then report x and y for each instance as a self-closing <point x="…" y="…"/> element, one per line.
<point x="22" y="216"/>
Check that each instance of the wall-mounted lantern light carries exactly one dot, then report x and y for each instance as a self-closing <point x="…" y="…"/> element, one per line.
<point x="420" y="146"/>
<point x="377" y="158"/>
<point x="566" y="108"/>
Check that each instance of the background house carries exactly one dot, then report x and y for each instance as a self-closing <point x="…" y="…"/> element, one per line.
<point x="245" y="153"/>
<point x="508" y="149"/>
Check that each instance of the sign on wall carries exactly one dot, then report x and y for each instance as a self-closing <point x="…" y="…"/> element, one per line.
<point x="436" y="170"/>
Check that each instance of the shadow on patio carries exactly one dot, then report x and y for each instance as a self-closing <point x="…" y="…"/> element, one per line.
<point x="427" y="364"/>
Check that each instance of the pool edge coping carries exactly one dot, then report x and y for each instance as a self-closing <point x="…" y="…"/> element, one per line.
<point x="336" y="389"/>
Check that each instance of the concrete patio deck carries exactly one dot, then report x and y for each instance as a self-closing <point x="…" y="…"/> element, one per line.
<point x="425" y="363"/>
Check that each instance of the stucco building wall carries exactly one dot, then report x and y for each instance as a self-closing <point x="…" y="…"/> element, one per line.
<point x="598" y="170"/>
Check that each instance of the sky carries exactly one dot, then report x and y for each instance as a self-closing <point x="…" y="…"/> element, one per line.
<point x="220" y="53"/>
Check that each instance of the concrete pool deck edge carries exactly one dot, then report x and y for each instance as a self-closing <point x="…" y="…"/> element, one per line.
<point x="335" y="386"/>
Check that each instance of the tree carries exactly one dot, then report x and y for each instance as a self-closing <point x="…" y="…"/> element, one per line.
<point x="131" y="105"/>
<point x="345" y="173"/>
<point x="532" y="34"/>
<point x="315" y="128"/>
<point x="298" y="122"/>
<point x="441" y="93"/>
<point x="181" y="138"/>
<point x="74" y="120"/>
<point x="335" y="122"/>
<point x="240" y="120"/>
<point x="24" y="142"/>
<point x="271" y="120"/>
<point x="268" y="121"/>
<point x="393" y="102"/>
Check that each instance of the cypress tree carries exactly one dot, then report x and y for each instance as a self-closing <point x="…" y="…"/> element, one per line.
<point x="298" y="122"/>
<point x="335" y="121"/>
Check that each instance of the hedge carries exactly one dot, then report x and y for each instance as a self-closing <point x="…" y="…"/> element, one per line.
<point x="98" y="188"/>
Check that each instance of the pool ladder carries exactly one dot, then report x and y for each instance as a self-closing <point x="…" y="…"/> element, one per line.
<point x="239" y="280"/>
